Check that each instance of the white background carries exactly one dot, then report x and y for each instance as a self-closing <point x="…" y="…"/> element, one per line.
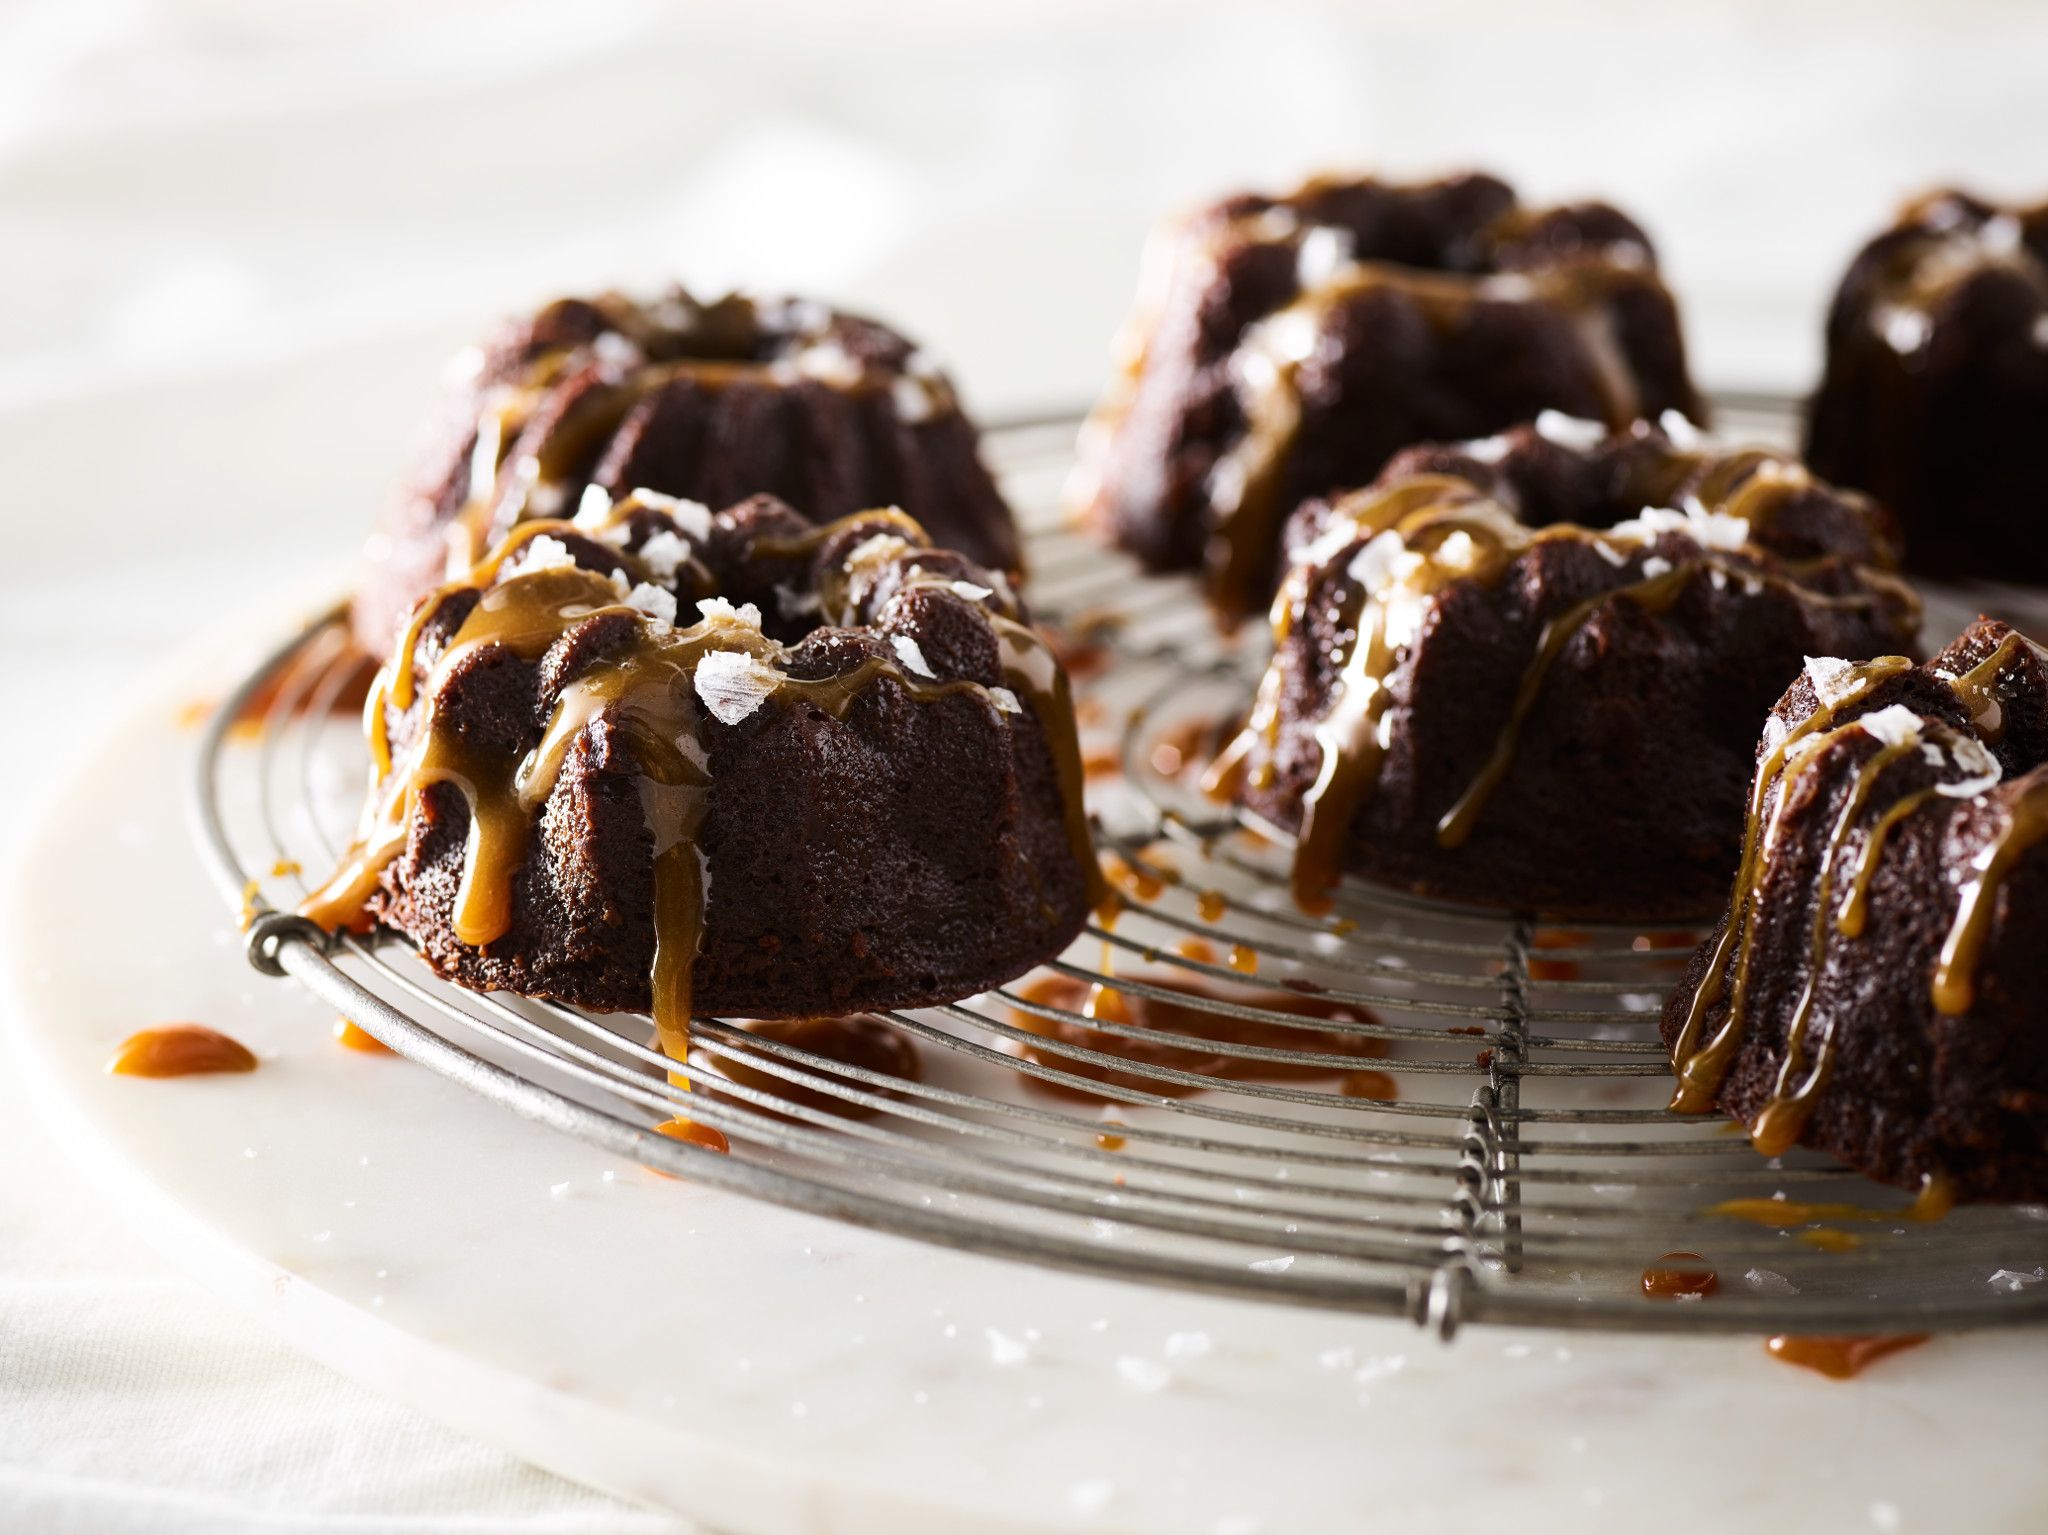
<point x="237" y="239"/>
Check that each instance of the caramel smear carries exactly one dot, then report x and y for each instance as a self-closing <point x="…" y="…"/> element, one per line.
<point x="1839" y="1358"/>
<point x="1936" y="1198"/>
<point x="179" y="1050"/>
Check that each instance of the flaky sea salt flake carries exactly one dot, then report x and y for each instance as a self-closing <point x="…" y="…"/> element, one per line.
<point x="733" y="684"/>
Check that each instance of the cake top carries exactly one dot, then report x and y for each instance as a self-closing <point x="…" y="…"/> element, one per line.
<point x="1946" y="245"/>
<point x="675" y="627"/>
<point x="552" y="383"/>
<point x="1616" y="492"/>
<point x="1266" y="296"/>
<point x="1468" y="225"/>
<point x="1643" y="514"/>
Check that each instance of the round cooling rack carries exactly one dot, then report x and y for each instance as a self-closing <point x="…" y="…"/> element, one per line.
<point x="1395" y="1107"/>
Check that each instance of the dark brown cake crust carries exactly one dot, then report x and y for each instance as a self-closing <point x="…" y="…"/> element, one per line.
<point x="1937" y="385"/>
<point x="712" y="402"/>
<point x="1497" y="680"/>
<point x="895" y="821"/>
<point x="1881" y="1074"/>
<point x="1286" y="347"/>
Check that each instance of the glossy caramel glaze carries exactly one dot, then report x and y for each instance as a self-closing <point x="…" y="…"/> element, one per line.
<point x="1285" y="345"/>
<point x="589" y="399"/>
<point x="1702" y="1059"/>
<point x="649" y="693"/>
<point x="1866" y="767"/>
<point x="1390" y="556"/>
<point x="179" y="1050"/>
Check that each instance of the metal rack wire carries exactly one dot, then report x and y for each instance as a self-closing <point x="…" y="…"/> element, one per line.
<point x="1490" y="1145"/>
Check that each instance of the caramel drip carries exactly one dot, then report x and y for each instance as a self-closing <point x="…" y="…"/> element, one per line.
<point x="1856" y="909"/>
<point x="1701" y="1065"/>
<point x="1976" y="688"/>
<point x="645" y="691"/>
<point x="1348" y="736"/>
<point x="1443" y="528"/>
<point x="1248" y="486"/>
<point x="179" y="1050"/>
<point x="1655" y="595"/>
<point x="1778" y="1124"/>
<point x="1955" y="974"/>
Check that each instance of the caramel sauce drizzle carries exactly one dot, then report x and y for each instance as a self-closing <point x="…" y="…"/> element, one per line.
<point x="646" y="691"/>
<point x="179" y="1050"/>
<point x="1778" y="1124"/>
<point x="1856" y="909"/>
<point x="1955" y="974"/>
<point x="1445" y="529"/>
<point x="1977" y="688"/>
<point x="1249" y="483"/>
<point x="1654" y="596"/>
<point x="713" y="346"/>
<point x="1701" y="1064"/>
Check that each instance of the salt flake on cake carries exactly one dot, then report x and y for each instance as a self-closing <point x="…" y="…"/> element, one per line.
<point x="732" y="684"/>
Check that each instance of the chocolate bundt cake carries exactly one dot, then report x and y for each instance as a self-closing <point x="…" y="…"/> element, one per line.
<point x="590" y="398"/>
<point x="1526" y="672"/>
<point x="1875" y="989"/>
<point x="1937" y="385"/>
<point x="1288" y="346"/>
<point x="850" y="784"/>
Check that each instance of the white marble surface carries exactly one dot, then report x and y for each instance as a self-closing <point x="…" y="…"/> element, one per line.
<point x="237" y="239"/>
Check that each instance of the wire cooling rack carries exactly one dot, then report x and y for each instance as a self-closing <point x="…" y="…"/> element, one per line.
<point x="1396" y="1107"/>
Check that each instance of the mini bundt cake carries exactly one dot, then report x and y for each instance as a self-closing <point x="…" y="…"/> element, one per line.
<point x="1937" y="385"/>
<point x="590" y="398"/>
<point x="1526" y="671"/>
<point x="1284" y="347"/>
<point x="1875" y="988"/>
<point x="851" y="784"/>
